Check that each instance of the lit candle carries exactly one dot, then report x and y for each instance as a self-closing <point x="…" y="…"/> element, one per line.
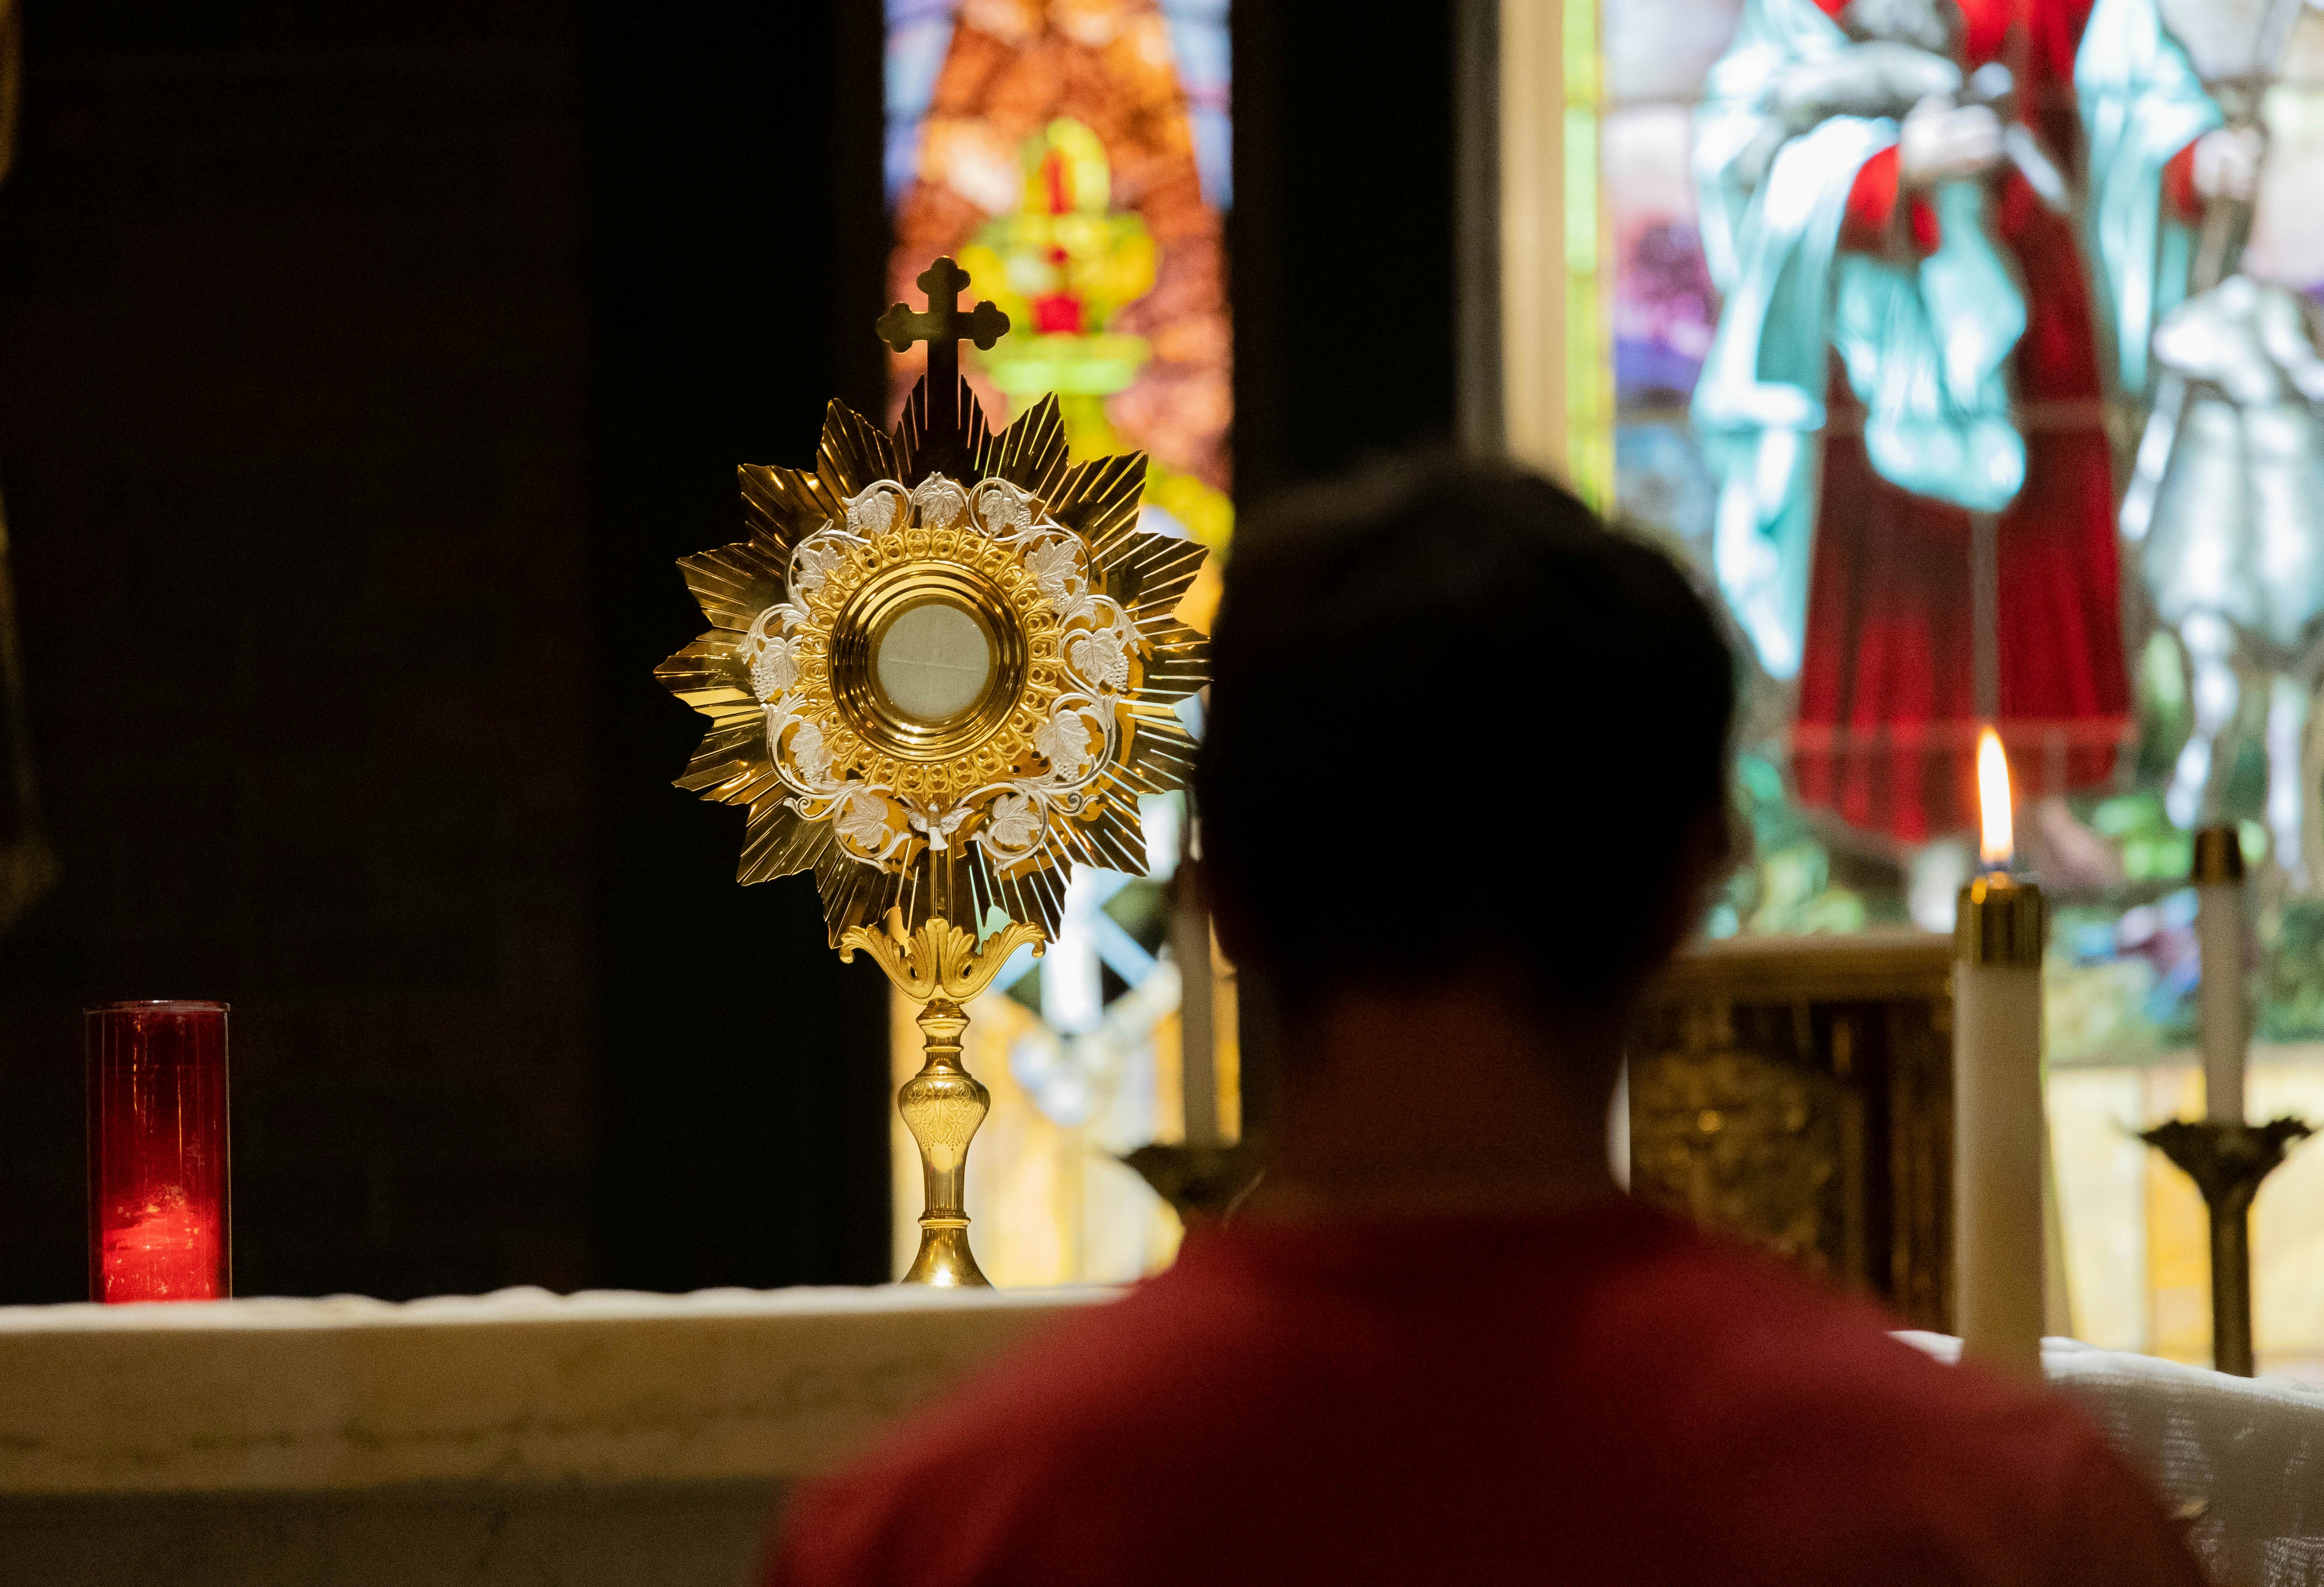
<point x="1997" y="1222"/>
<point x="2218" y="878"/>
<point x="159" y="1208"/>
<point x="164" y="1251"/>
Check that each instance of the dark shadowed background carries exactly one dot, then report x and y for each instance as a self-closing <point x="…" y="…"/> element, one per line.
<point x="362" y="369"/>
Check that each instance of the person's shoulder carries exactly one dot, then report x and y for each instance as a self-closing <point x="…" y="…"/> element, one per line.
<point x="1878" y="1448"/>
<point x="1746" y="1337"/>
<point x="1077" y="1419"/>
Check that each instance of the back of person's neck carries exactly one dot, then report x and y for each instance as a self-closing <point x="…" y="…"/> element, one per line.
<point x="1451" y="1098"/>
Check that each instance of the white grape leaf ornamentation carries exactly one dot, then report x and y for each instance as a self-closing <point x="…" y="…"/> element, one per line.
<point x="863" y="823"/>
<point x="775" y="667"/>
<point x="1101" y="656"/>
<point x="1013" y="821"/>
<point x="1063" y="742"/>
<point x="812" y="566"/>
<point x="810" y="755"/>
<point x="941" y="502"/>
<point x="1052" y="567"/>
<point x="1003" y="510"/>
<point x="874" y="510"/>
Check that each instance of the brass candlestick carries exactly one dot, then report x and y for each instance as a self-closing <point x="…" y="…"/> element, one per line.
<point x="2226" y="1161"/>
<point x="940" y="673"/>
<point x="942" y="966"/>
<point x="1199" y="1182"/>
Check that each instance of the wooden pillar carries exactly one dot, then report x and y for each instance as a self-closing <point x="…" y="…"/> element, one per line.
<point x="1532" y="153"/>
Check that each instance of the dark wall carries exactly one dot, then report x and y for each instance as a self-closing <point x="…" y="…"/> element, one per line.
<point x="735" y="249"/>
<point x="1342" y="268"/>
<point x="1343" y="234"/>
<point x="362" y="369"/>
<point x="291" y="442"/>
<point x="366" y="367"/>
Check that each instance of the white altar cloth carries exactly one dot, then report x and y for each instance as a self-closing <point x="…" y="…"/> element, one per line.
<point x="520" y="1386"/>
<point x="2241" y="1461"/>
<point x="603" y="1439"/>
<point x="596" y="1440"/>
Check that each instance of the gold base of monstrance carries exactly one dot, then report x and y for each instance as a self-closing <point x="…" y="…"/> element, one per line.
<point x="941" y="671"/>
<point x="944" y="1105"/>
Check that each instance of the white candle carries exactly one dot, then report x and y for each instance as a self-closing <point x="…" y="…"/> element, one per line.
<point x="1998" y="1170"/>
<point x="2218" y="877"/>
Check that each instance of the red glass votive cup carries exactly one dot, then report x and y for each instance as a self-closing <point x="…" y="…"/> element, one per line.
<point x="160" y="1212"/>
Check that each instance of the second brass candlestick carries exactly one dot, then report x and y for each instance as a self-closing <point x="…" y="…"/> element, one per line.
<point x="2227" y="1162"/>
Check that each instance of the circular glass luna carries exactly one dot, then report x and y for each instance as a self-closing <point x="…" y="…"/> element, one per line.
<point x="933" y="662"/>
<point x="927" y="661"/>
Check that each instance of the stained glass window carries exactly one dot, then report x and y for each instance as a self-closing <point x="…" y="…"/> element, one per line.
<point x="1074" y="156"/>
<point x="1847" y="778"/>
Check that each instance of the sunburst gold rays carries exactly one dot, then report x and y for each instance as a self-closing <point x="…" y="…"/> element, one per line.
<point x="1098" y="500"/>
<point x="782" y="506"/>
<point x="777" y="843"/>
<point x="1116" y="840"/>
<point x="1150" y="575"/>
<point x="1146" y="576"/>
<point x="1035" y="895"/>
<point x="730" y="755"/>
<point x="916" y="458"/>
<point x="1178" y="666"/>
<point x="734" y="584"/>
<point x="956" y="885"/>
<point x="853" y="453"/>
<point x="709" y="677"/>
<point x="1030" y="454"/>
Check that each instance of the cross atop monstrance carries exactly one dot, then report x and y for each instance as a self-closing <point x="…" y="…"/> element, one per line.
<point x="942" y="326"/>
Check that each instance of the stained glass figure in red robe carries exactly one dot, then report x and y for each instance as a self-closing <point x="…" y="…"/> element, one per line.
<point x="1903" y="406"/>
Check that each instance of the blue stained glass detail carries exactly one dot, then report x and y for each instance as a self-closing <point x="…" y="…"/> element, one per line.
<point x="1659" y="480"/>
<point x="1200" y="48"/>
<point x="919" y="31"/>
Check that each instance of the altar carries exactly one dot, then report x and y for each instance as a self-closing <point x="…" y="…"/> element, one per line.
<point x="602" y="1438"/>
<point x="515" y="1437"/>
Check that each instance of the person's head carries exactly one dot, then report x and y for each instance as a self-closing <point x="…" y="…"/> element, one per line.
<point x="1457" y="723"/>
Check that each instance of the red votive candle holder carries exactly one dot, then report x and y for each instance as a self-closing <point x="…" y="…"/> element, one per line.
<point x="159" y="1214"/>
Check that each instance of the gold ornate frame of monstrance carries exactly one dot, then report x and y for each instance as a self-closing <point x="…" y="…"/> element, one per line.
<point x="942" y="669"/>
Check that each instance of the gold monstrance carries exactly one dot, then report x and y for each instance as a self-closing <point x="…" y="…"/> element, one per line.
<point x="940" y="670"/>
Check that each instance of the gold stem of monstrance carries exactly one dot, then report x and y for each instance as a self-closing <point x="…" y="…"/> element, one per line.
<point x="942" y="966"/>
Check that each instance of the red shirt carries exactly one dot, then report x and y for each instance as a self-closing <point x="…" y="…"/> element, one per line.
<point x="1596" y="1397"/>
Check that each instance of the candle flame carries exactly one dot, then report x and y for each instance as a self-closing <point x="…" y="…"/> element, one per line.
<point x="1993" y="801"/>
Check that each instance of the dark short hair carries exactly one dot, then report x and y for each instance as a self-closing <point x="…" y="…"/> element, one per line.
<point x="1455" y="718"/>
